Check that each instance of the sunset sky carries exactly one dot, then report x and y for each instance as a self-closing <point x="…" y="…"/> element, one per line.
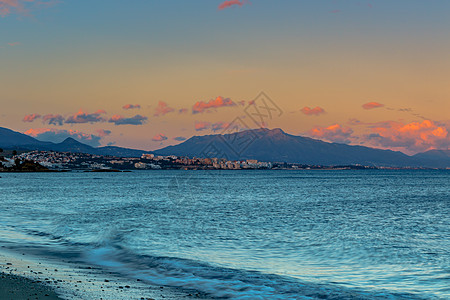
<point x="146" y="74"/>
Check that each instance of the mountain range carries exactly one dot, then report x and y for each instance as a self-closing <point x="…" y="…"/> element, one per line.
<point x="262" y="144"/>
<point x="10" y="139"/>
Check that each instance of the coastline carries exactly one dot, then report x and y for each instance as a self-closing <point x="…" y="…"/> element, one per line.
<point x="24" y="276"/>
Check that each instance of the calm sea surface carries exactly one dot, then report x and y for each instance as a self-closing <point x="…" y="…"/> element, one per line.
<point x="244" y="234"/>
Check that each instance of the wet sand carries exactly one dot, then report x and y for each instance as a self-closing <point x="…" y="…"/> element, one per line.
<point x="24" y="276"/>
<point x="20" y="288"/>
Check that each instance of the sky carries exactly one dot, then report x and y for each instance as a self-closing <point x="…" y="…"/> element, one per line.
<point x="146" y="74"/>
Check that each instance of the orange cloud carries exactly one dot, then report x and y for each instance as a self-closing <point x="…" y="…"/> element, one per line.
<point x="199" y="126"/>
<point x="53" y="119"/>
<point x="82" y="117"/>
<point x="201" y="106"/>
<point x="334" y="133"/>
<point x="162" y="109"/>
<point x="312" y="111"/>
<point x="159" y="137"/>
<point x="372" y="105"/>
<point x="229" y="3"/>
<point x="131" y="106"/>
<point x="31" y="118"/>
<point x="411" y="137"/>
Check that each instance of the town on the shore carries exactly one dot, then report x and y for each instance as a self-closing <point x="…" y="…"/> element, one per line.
<point x="66" y="161"/>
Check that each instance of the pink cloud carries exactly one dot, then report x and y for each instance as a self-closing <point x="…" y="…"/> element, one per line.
<point x="410" y="137"/>
<point x="103" y="132"/>
<point x="200" y="126"/>
<point x="372" y="105"/>
<point x="53" y="119"/>
<point x="31" y="118"/>
<point x="121" y="120"/>
<point x="58" y="135"/>
<point x="334" y="133"/>
<point x="312" y="111"/>
<point x="162" y="109"/>
<point x="131" y="106"/>
<point x="219" y="126"/>
<point x="14" y="44"/>
<point x="82" y="117"/>
<point x="21" y="6"/>
<point x="201" y="106"/>
<point x="229" y="3"/>
<point x="159" y="137"/>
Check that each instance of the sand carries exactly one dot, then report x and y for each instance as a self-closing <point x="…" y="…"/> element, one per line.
<point x="20" y="288"/>
<point x="24" y="276"/>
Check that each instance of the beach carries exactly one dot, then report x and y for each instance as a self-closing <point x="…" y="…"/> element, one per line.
<point x="24" y="276"/>
<point x="18" y="288"/>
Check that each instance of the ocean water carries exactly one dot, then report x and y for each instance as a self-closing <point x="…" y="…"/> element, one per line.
<point x="366" y="234"/>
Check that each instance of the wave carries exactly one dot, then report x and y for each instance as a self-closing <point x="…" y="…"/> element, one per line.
<point x="215" y="282"/>
<point x="218" y="282"/>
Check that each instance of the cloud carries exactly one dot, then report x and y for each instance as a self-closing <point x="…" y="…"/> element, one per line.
<point x="13" y="44"/>
<point x="219" y="126"/>
<point x="180" y="138"/>
<point x="334" y="133"/>
<point x="312" y="111"/>
<point x="229" y="3"/>
<point x="159" y="137"/>
<point x="20" y="6"/>
<point x="82" y="117"/>
<point x="103" y="132"/>
<point x="53" y="119"/>
<point x="372" y="105"/>
<point x="200" y="126"/>
<point x="410" y="137"/>
<point x="59" y="135"/>
<point x="162" y="109"/>
<point x="201" y="106"/>
<point x="120" y="120"/>
<point x="131" y="106"/>
<point x="30" y="118"/>
<point x="182" y="110"/>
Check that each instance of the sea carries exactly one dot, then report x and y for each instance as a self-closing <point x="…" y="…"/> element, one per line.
<point x="242" y="234"/>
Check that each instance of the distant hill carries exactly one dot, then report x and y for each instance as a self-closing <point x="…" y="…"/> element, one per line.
<point x="277" y="146"/>
<point x="261" y="144"/>
<point x="434" y="157"/>
<point x="10" y="139"/>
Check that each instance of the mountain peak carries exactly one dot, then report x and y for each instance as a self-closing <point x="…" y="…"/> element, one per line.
<point x="70" y="140"/>
<point x="276" y="131"/>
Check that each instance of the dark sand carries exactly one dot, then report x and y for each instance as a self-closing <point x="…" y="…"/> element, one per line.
<point x="20" y="288"/>
<point x="26" y="277"/>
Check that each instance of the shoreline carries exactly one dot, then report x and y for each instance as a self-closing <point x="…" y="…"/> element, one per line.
<point x="22" y="276"/>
